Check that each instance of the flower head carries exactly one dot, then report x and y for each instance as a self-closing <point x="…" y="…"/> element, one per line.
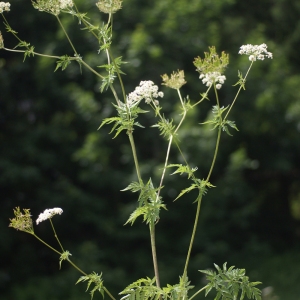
<point x="212" y="62"/>
<point x="146" y="90"/>
<point x="213" y="77"/>
<point x="48" y="214"/>
<point x="211" y="67"/>
<point x="4" y="6"/>
<point x="1" y="41"/>
<point x="176" y="80"/>
<point x="52" y="6"/>
<point x="109" y="6"/>
<point x="256" y="51"/>
<point x="22" y="221"/>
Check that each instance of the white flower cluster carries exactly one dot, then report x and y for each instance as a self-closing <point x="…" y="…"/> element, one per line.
<point x="256" y="51"/>
<point x="109" y="6"/>
<point x="48" y="213"/>
<point x="4" y="6"/>
<point x="209" y="78"/>
<point x="146" y="90"/>
<point x="65" y="4"/>
<point x="52" y="6"/>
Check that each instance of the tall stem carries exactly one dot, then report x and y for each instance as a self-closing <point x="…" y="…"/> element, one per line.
<point x="136" y="162"/>
<point x="215" y="155"/>
<point x="154" y="256"/>
<point x="165" y="166"/>
<point x="199" y="200"/>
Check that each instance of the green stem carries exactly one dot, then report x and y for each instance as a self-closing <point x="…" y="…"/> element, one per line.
<point x="199" y="200"/>
<point x="136" y="163"/>
<point x="203" y="97"/>
<point x="67" y="36"/>
<point x="90" y="68"/>
<point x="56" y="236"/>
<point x="36" y="53"/>
<point x="165" y="166"/>
<point x="119" y="76"/>
<point x="73" y="264"/>
<point x="215" y="154"/>
<point x="198" y="292"/>
<point x="109" y="56"/>
<point x="82" y="272"/>
<point x="47" y="244"/>
<point x="77" y="268"/>
<point x="58" y="57"/>
<point x="184" y="111"/>
<point x="108" y="293"/>
<point x="154" y="256"/>
<point x="170" y="142"/>
<point x="238" y="92"/>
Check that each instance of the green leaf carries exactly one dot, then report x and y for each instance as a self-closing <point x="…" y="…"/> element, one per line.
<point x="95" y="279"/>
<point x="62" y="63"/>
<point x="165" y="127"/>
<point x="139" y="211"/>
<point x="9" y="29"/>
<point x="241" y="80"/>
<point x="182" y="169"/>
<point x="230" y="282"/>
<point x="187" y="190"/>
<point x="134" y="187"/>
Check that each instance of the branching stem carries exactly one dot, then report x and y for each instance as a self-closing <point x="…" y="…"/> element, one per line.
<point x="170" y="142"/>
<point x="47" y="244"/>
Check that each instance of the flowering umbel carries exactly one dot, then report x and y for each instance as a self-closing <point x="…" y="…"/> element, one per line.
<point x="48" y="214"/>
<point x="109" y="6"/>
<point x="146" y="90"/>
<point x="1" y="41"/>
<point x="4" y="6"/>
<point x="256" y="51"/>
<point x="211" y="67"/>
<point x="22" y="221"/>
<point x="175" y="81"/>
<point x="52" y="6"/>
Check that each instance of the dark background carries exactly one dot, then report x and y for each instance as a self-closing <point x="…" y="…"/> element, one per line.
<point x="52" y="155"/>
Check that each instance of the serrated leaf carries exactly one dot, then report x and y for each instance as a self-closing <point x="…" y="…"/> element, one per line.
<point x="139" y="211"/>
<point x="187" y="190"/>
<point x="133" y="186"/>
<point x="62" y="63"/>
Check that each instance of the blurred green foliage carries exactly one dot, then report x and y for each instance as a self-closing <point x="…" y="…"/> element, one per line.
<point x="51" y="153"/>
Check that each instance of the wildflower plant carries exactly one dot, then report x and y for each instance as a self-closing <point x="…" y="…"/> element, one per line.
<point x="228" y="283"/>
